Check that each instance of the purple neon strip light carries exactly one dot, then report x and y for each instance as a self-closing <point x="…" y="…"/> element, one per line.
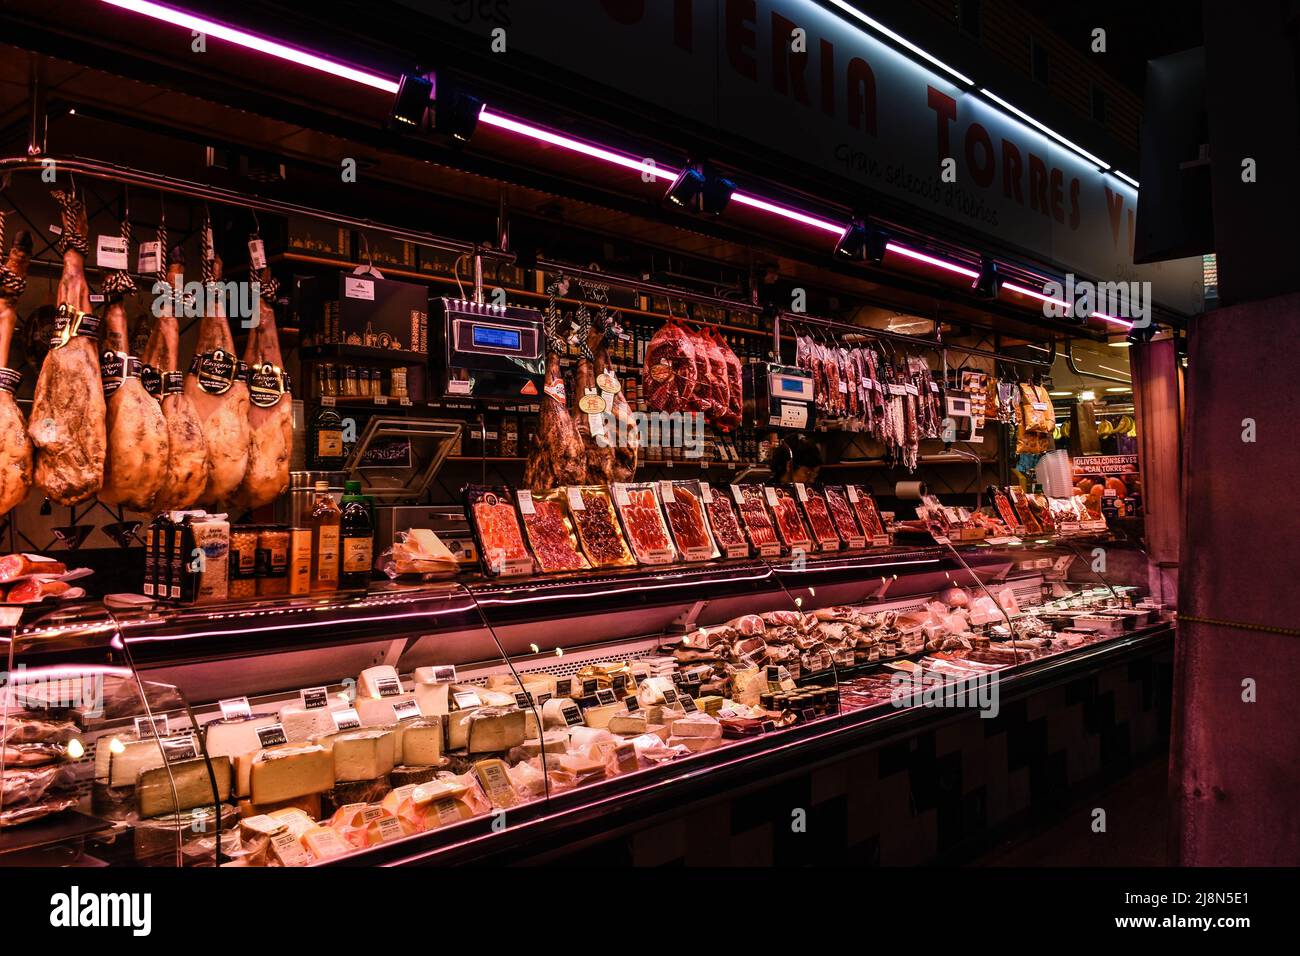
<point x="931" y="260"/>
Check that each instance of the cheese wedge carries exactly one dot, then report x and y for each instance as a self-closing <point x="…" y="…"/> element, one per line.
<point x="374" y="681"/>
<point x="324" y="843"/>
<point x="285" y="773"/>
<point x="120" y="763"/>
<point x="378" y="711"/>
<point x="193" y="786"/>
<point x="363" y="754"/>
<point x="494" y="778"/>
<point x="421" y="742"/>
<point x="628" y="724"/>
<point x="552" y="742"/>
<point x="696" y="725"/>
<point x="225" y="738"/>
<point x="302" y="723"/>
<point x="600" y="715"/>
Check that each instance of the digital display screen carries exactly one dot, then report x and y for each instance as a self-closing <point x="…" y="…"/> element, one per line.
<point x="495" y="337"/>
<point x="792" y="384"/>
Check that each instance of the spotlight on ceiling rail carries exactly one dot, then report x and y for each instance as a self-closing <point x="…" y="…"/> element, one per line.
<point x="1141" y="334"/>
<point x="861" y="242"/>
<point x="440" y="103"/>
<point x="698" y="189"/>
<point x="989" y="283"/>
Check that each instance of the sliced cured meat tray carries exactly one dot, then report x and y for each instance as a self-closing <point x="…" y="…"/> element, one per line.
<point x="643" y="522"/>
<point x="789" y="522"/>
<point x="500" y="539"/>
<point x="752" y="505"/>
<point x="818" y="514"/>
<point x="550" y="533"/>
<point x="592" y="510"/>
<point x="864" y="508"/>
<point x="683" y="503"/>
<point x="837" y="501"/>
<point x="724" y="522"/>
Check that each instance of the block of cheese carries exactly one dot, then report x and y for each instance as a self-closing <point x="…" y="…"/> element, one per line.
<point x="696" y="725"/>
<point x="433" y="696"/>
<point x="628" y="724"/>
<point x="554" y="710"/>
<point x="193" y="786"/>
<point x="324" y="843"/>
<point x="364" y="754"/>
<point x="709" y="703"/>
<point x="583" y="737"/>
<point x="652" y="690"/>
<point x="378" y="711"/>
<point x="119" y="760"/>
<point x="287" y="850"/>
<point x="225" y="738"/>
<point x="421" y="742"/>
<point x="377" y="681"/>
<point x="303" y="723"/>
<point x="485" y="729"/>
<point x="405" y="776"/>
<point x="552" y="742"/>
<point x="260" y="826"/>
<point x="505" y="683"/>
<point x="495" y="698"/>
<point x="585" y="769"/>
<point x="600" y="715"/>
<point x="243" y="765"/>
<point x="297" y="820"/>
<point x="494" y="777"/>
<point x="695" y="744"/>
<point x="284" y="773"/>
<point x="308" y="804"/>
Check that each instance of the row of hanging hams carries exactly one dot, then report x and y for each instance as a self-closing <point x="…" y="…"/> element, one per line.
<point x="147" y="433"/>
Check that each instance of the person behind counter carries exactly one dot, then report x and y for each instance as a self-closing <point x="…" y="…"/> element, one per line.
<point x="796" y="459"/>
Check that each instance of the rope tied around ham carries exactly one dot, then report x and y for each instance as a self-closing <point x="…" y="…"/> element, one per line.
<point x="73" y="213"/>
<point x="119" y="281"/>
<point x="12" y="285"/>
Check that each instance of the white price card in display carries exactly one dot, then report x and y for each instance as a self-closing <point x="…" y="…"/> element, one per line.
<point x="111" y="252"/>
<point x="771" y="496"/>
<point x="327" y="401"/>
<point x="150" y="258"/>
<point x="467" y="700"/>
<point x="620" y="495"/>
<point x="737" y="494"/>
<point x="257" y="254"/>
<point x="706" y="493"/>
<point x="575" y="499"/>
<point x="666" y="492"/>
<point x="526" y="502"/>
<point x="235" y="708"/>
<point x="358" y="288"/>
<point x="801" y="491"/>
<point x="314" y="698"/>
<point x="346" y="719"/>
<point x="853" y="494"/>
<point x="405" y="710"/>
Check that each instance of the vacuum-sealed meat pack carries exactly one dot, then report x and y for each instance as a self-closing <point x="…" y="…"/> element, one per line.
<point x="643" y="522"/>
<point x="550" y="533"/>
<point x="592" y="510"/>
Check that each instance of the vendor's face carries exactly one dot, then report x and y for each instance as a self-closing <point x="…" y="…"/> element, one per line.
<point x="805" y="476"/>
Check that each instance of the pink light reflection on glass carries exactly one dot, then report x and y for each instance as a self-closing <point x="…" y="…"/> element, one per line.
<point x="252" y="41"/>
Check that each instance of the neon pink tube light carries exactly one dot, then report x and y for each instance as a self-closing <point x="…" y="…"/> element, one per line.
<point x="252" y="41"/>
<point x="1035" y="294"/>
<point x="793" y="214"/>
<point x="643" y="166"/>
<point x="931" y="260"/>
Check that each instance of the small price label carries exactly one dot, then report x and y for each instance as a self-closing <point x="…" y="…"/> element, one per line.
<point x="590" y="687"/>
<point x="625" y="757"/>
<point x="313" y="698"/>
<point x="271" y="735"/>
<point x="689" y="705"/>
<point x="526" y="502"/>
<point x="670" y="697"/>
<point x="605" y="696"/>
<point x="633" y="705"/>
<point x="468" y="699"/>
<point x="572" y="716"/>
<point x="346" y="719"/>
<point x="381" y="399"/>
<point x="328" y="401"/>
<point x="256" y="254"/>
<point x="235" y="708"/>
<point x="405" y="710"/>
<point x="152" y="726"/>
<point x="111" y="252"/>
<point x="575" y="499"/>
<point x="666" y="492"/>
<point x="389" y="687"/>
<point x="150" y="258"/>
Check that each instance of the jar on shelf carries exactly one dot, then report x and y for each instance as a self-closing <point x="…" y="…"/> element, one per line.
<point x="243" y="561"/>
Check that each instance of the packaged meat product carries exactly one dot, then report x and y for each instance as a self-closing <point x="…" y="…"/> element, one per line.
<point x="500" y="540"/>
<point x="546" y="521"/>
<point x="837" y="500"/>
<point x="706" y="388"/>
<point x="1020" y="501"/>
<point x="818" y="514"/>
<point x="638" y="509"/>
<point x="670" y="371"/>
<point x="790" y="525"/>
<point x="735" y="389"/>
<point x="593" y="515"/>
<point x="684" y="506"/>
<point x="13" y="817"/>
<point x="864" y="507"/>
<point x="724" y="522"/>
<point x="751" y="503"/>
<point x="14" y="566"/>
<point x="28" y="786"/>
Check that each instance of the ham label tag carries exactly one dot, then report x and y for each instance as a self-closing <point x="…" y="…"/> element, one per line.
<point x="267" y="384"/>
<point x="216" y="371"/>
<point x="150" y="258"/>
<point x="152" y="380"/>
<point x="69" y="322"/>
<point x="111" y="253"/>
<point x="9" y="380"/>
<point x="256" y="254"/>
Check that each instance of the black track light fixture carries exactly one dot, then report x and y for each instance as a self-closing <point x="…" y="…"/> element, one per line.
<point x="437" y="102"/>
<point x="989" y="282"/>
<point x="411" y="104"/>
<point x="699" y="189"/>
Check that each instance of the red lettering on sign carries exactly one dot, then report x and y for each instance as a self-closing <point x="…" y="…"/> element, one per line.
<point x="1058" y="195"/>
<point x="945" y="112"/>
<point x="977" y="135"/>
<point x="1114" y="206"/>
<point x="1074" y="203"/>
<point x="787" y="66"/>
<point x="1011" y="170"/>
<point x="862" y="96"/>
<point x="828" y="77"/>
<point x="742" y="41"/>
<point x="1038" y="185"/>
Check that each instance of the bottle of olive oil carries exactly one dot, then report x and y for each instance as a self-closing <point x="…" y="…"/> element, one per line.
<point x="358" y="538"/>
<point x="325" y="522"/>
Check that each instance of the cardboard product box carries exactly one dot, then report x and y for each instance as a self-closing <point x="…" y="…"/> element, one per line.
<point x="377" y="313"/>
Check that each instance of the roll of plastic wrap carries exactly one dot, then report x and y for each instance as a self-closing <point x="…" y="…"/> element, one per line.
<point x="909" y="490"/>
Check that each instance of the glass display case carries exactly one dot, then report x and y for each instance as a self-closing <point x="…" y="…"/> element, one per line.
<point x="440" y="721"/>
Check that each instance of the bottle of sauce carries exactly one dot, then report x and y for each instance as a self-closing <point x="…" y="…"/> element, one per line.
<point x="358" y="538"/>
<point x="326" y="450"/>
<point x="325" y="525"/>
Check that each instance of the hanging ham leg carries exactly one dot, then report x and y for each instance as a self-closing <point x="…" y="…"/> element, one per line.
<point x="67" y="417"/>
<point x="556" y="456"/>
<point x="588" y="409"/>
<point x="187" y="459"/>
<point x="270" y="416"/>
<point x="15" y="446"/>
<point x="136" y="464"/>
<point x="624" y="433"/>
<point x="222" y="404"/>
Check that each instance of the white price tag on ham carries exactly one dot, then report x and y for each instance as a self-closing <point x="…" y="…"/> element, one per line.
<point x="150" y="259"/>
<point x="575" y="499"/>
<point x="620" y="495"/>
<point x="256" y="254"/>
<point x="526" y="502"/>
<point x="111" y="252"/>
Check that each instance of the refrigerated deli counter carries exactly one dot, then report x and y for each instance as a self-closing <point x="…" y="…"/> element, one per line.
<point x="893" y="705"/>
